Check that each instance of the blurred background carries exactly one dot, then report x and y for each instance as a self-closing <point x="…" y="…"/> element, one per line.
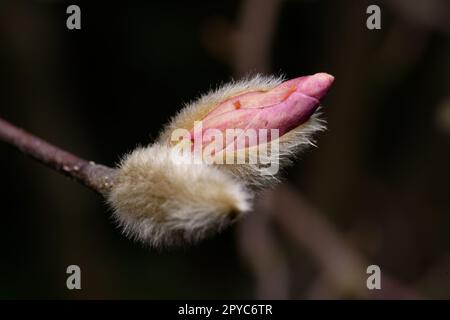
<point x="374" y="191"/>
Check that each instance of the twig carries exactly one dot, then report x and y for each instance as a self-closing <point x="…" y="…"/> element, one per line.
<point x="97" y="177"/>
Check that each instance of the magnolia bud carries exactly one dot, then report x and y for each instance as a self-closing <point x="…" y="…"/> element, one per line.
<point x="199" y="175"/>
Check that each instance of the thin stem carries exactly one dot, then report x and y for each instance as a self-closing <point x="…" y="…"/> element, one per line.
<point x="97" y="177"/>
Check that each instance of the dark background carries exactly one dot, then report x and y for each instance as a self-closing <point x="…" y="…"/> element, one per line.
<point x="375" y="191"/>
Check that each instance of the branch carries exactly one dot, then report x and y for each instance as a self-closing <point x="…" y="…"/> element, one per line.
<point x="95" y="176"/>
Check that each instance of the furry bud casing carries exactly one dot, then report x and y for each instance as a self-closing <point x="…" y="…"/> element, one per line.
<point x="161" y="199"/>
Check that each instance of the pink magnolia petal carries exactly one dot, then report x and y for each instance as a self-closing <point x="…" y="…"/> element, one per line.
<point x="285" y="107"/>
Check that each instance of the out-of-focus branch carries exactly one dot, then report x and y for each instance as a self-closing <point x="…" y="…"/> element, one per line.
<point x="313" y="232"/>
<point x="252" y="42"/>
<point x="263" y="254"/>
<point x="343" y="268"/>
<point x="95" y="176"/>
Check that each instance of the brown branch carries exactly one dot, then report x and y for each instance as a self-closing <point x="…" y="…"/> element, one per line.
<point x="95" y="176"/>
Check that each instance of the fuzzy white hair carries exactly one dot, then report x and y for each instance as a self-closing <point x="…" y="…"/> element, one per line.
<point x="161" y="200"/>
